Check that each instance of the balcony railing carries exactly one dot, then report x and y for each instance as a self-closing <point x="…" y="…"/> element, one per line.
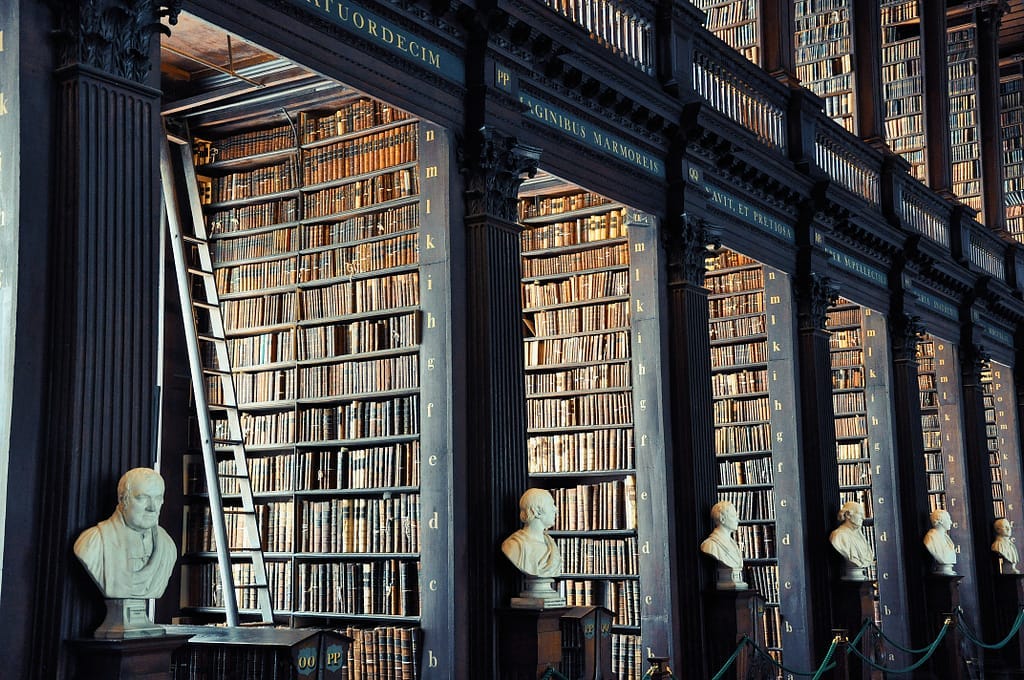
<point x="922" y="211"/>
<point x="614" y="25"/>
<point x="837" y="155"/>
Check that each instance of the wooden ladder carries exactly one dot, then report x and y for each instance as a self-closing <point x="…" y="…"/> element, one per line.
<point x="220" y="428"/>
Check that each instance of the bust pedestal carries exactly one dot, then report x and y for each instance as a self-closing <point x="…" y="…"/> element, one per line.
<point x="529" y="640"/>
<point x="127" y="619"/>
<point x="146" y="658"/>
<point x="943" y="593"/>
<point x="854" y="601"/>
<point x="1009" y="598"/>
<point x="538" y="593"/>
<point x="731" y="614"/>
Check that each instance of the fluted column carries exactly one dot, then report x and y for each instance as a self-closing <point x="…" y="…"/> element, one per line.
<point x="103" y="303"/>
<point x="989" y="18"/>
<point x="495" y="459"/>
<point x="815" y="293"/>
<point x="685" y="241"/>
<point x="936" y="109"/>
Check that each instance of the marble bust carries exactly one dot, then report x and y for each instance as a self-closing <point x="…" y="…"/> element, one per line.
<point x="129" y="556"/>
<point x="940" y="546"/>
<point x="723" y="547"/>
<point x="1004" y="547"/>
<point x="849" y="541"/>
<point x="534" y="553"/>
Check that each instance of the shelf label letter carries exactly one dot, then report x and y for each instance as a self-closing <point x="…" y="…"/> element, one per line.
<point x="431" y="659"/>
<point x="434" y="522"/>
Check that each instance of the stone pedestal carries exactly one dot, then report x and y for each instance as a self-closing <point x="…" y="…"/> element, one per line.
<point x="731" y="614"/>
<point x="530" y="640"/>
<point x="538" y="593"/>
<point x="147" y="658"/>
<point x="127" y="619"/>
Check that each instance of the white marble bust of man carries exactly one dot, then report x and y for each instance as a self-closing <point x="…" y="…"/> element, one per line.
<point x="128" y="555"/>
<point x="940" y="546"/>
<point x="849" y="541"/>
<point x="720" y="543"/>
<point x="1005" y="548"/>
<point x="531" y="549"/>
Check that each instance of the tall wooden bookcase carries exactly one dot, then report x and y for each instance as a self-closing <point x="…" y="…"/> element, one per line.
<point x="737" y="23"/>
<point x="903" y="83"/>
<point x="823" y="41"/>
<point x="1011" y="117"/>
<point x="751" y="335"/>
<point x="964" y="127"/>
<point x="864" y="442"/>
<point x="329" y="232"/>
<point x="594" y="438"/>
<point x="1002" y="440"/>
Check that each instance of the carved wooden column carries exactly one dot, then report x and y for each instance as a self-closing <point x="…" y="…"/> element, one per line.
<point x="777" y="55"/>
<point x="814" y="294"/>
<point x="495" y="455"/>
<point x="685" y="241"/>
<point x="912" y="482"/>
<point x="936" y="109"/>
<point x="103" y="297"/>
<point x="978" y="477"/>
<point x="867" y="50"/>
<point x="989" y="124"/>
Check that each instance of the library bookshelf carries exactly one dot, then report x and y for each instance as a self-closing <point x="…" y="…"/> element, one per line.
<point x="823" y="44"/>
<point x="1011" y="119"/>
<point x="589" y="433"/>
<point x="903" y="83"/>
<point x="736" y="22"/>
<point x="325" y="223"/>
<point x="1001" y="436"/>
<point x="964" y="130"/>
<point x="859" y="349"/>
<point x="752" y="373"/>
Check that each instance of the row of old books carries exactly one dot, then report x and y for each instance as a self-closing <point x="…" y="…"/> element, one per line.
<point x="740" y="410"/>
<point x="361" y="524"/>
<point x="741" y="281"/>
<point x="751" y="504"/>
<point x="361" y="296"/>
<point x="747" y="381"/>
<point x="621" y="597"/>
<point x="751" y="471"/>
<point x="589" y="451"/>
<point x="592" y="228"/>
<point x="338" y="199"/>
<point x="577" y="349"/>
<point x="733" y="328"/>
<point x="588" y="410"/>
<point x="580" y="288"/>
<point x="240" y="218"/>
<point x="372" y="467"/>
<point x="755" y="438"/>
<point x="266" y="309"/>
<point x="360" y="418"/>
<point x="599" y="376"/>
<point x="739" y="353"/>
<point x="757" y="541"/>
<point x="358" y="336"/>
<point x="274" y="522"/>
<point x="205" y="590"/>
<point x="605" y="506"/>
<point x="399" y="251"/>
<point x="361" y="155"/>
<point x="359" y="377"/>
<point x="584" y="555"/>
<point x="579" y="260"/>
<point x="580" y="319"/>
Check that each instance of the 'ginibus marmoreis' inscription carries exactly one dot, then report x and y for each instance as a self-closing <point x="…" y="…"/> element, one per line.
<point x="552" y="116"/>
<point x="366" y="24"/>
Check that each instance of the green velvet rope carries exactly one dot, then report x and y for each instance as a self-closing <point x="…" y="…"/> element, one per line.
<point x="825" y="665"/>
<point x="969" y="634"/>
<point x="908" y="650"/>
<point x="917" y="664"/>
<point x="717" y="676"/>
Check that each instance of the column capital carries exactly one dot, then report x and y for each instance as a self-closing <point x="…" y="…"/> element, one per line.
<point x="111" y="35"/>
<point x="686" y="245"/>
<point x="494" y="165"/>
<point x="817" y="295"/>
<point x="905" y="331"/>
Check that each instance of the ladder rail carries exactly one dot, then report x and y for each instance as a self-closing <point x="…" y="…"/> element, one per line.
<point x="242" y="485"/>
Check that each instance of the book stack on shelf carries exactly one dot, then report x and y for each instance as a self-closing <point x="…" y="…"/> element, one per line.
<point x="736" y="22"/>
<point x="739" y="334"/>
<point x="580" y="443"/>
<point x="846" y="323"/>
<point x="824" y="55"/>
<point x="964" y="133"/>
<point x="1011" y="117"/>
<point x="931" y="423"/>
<point x="903" y="83"/>
<point x="315" y="232"/>
<point x="992" y="438"/>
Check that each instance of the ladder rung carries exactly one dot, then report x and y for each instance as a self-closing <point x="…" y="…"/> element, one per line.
<point x="202" y="304"/>
<point x="228" y="442"/>
<point x="216" y="371"/>
<point x="228" y="475"/>
<point x="206" y="337"/>
<point x="199" y="272"/>
<point x="195" y="240"/>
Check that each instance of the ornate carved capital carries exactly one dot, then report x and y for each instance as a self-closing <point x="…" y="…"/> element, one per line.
<point x="686" y="245"/>
<point x="973" y="360"/>
<point x="817" y="294"/>
<point x="906" y="330"/>
<point x="111" y="35"/>
<point x="494" y="166"/>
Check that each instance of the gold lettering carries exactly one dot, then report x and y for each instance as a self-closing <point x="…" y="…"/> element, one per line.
<point x="430" y="136"/>
<point x="778" y="407"/>
<point x="786" y="540"/>
<point x="1" y="40"/>
<point x="648" y="600"/>
<point x="788" y="585"/>
<point x="636" y="273"/>
<point x="641" y="369"/>
<point x="784" y="503"/>
<point x="432" y="584"/>
<point x="775" y="299"/>
<point x="430" y="242"/>
<point x="639" y="307"/>
<point x="432" y="460"/>
<point x="434" y="522"/>
<point x="639" y="247"/>
<point x="427" y="208"/>
<point x="431" y="320"/>
<point x="3" y="104"/>
<point x="431" y="659"/>
<point x="643" y="495"/>
<point x="430" y="410"/>
<point x="646" y="549"/>
<point x="430" y="364"/>
<point x="643" y="404"/>
<point x="430" y="282"/>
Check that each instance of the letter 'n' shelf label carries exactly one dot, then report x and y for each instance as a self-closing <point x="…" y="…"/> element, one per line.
<point x="389" y="35"/>
<point x="592" y="136"/>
